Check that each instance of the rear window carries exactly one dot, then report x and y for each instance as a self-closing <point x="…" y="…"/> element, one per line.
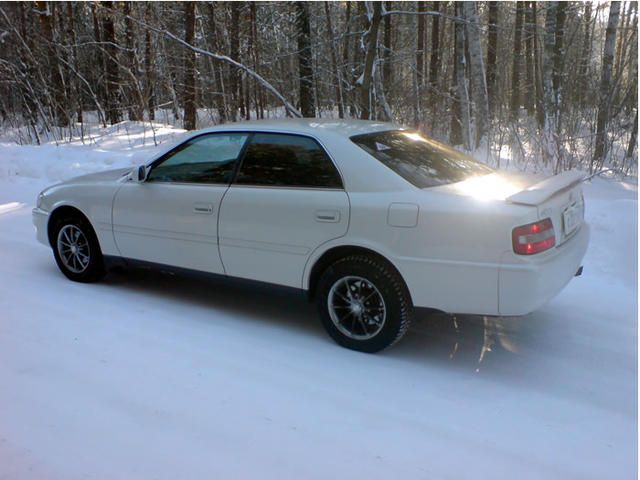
<point x="421" y="161"/>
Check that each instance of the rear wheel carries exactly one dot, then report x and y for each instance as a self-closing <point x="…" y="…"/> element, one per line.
<point x="76" y="249"/>
<point x="364" y="304"/>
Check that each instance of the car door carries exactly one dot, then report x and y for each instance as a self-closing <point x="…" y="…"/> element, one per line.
<point x="172" y="217"/>
<point x="287" y="199"/>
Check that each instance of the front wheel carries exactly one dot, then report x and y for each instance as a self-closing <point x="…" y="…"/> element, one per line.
<point x="364" y="304"/>
<point x="76" y="250"/>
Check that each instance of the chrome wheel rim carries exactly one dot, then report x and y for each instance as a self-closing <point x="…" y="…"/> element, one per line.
<point x="73" y="248"/>
<point x="356" y="307"/>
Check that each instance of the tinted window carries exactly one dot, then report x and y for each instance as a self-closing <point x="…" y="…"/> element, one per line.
<point x="419" y="160"/>
<point x="287" y="161"/>
<point x="205" y="159"/>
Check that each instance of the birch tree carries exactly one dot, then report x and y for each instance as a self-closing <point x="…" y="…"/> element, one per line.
<point x="477" y="73"/>
<point x="604" y="101"/>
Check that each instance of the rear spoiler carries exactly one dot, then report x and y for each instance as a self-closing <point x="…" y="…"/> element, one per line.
<point x="542" y="191"/>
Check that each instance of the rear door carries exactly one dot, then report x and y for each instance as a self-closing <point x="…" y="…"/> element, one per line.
<point x="172" y="217"/>
<point x="287" y="199"/>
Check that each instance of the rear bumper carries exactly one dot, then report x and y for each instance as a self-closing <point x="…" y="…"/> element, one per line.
<point x="40" y="221"/>
<point x="527" y="283"/>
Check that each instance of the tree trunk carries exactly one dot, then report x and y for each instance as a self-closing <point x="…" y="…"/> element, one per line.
<point x="112" y="76"/>
<point x="530" y="54"/>
<point x="420" y="46"/>
<point x="624" y="25"/>
<point x="434" y="59"/>
<point x="55" y="78"/>
<point x="374" y="12"/>
<point x="549" y="146"/>
<point x="74" y="50"/>
<point x="99" y="55"/>
<point x="256" y="59"/>
<point x="558" y="52"/>
<point x="216" y="67"/>
<point x="632" y="142"/>
<point x="517" y="62"/>
<point x="387" y="73"/>
<point x="547" y="67"/>
<point x="478" y="79"/>
<point x="348" y="70"/>
<point x="149" y="69"/>
<point x="460" y="121"/>
<point x="604" y="104"/>
<point x="305" y="60"/>
<point x="334" y="61"/>
<point x="492" y="55"/>
<point x="584" y="65"/>
<point x="234" y="80"/>
<point x="538" y="70"/>
<point x="134" y="96"/>
<point x="190" y="111"/>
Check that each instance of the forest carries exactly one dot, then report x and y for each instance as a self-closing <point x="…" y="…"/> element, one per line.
<point x="539" y="85"/>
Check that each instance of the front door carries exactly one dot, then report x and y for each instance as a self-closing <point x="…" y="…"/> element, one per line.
<point x="288" y="199"/>
<point x="172" y="217"/>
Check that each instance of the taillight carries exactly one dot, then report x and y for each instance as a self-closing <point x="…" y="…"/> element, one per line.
<point x="534" y="237"/>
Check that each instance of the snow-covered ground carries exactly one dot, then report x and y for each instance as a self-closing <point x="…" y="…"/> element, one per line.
<point x="147" y="376"/>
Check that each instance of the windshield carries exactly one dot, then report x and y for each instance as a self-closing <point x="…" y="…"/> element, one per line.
<point x="419" y="160"/>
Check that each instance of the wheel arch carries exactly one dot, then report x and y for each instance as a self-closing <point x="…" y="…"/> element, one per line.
<point x="335" y="253"/>
<point x="62" y="211"/>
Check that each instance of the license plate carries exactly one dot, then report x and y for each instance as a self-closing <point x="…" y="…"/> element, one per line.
<point x="572" y="218"/>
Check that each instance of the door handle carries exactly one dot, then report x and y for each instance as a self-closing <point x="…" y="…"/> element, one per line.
<point x="203" y="208"/>
<point x="328" y="216"/>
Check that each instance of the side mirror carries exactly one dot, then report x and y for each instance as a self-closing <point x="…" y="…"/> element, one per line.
<point x="141" y="174"/>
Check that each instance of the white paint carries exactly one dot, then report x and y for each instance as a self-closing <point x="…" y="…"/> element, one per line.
<point x="452" y="260"/>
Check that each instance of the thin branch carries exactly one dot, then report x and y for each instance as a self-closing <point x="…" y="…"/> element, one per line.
<point x="291" y="110"/>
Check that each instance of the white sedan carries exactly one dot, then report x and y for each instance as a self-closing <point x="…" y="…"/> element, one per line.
<point x="371" y="219"/>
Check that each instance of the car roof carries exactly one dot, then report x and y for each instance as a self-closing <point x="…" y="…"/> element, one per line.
<point x="310" y="126"/>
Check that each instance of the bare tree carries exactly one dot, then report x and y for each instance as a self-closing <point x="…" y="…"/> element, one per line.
<point x="460" y="121"/>
<point x="243" y="60"/>
<point x="190" y="94"/>
<point x="334" y="61"/>
<point x="112" y="75"/>
<point x="517" y="61"/>
<point x="370" y="41"/>
<point x="477" y="73"/>
<point x="530" y="58"/>
<point x="149" y="69"/>
<point x="305" y="64"/>
<point x="492" y="56"/>
<point x="56" y="83"/>
<point x="133" y="93"/>
<point x="604" y="101"/>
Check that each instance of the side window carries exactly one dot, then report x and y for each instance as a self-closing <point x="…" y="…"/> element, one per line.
<point x="282" y="160"/>
<point x="205" y="159"/>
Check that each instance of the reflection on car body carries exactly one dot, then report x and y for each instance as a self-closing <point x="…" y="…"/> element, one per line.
<point x="372" y="220"/>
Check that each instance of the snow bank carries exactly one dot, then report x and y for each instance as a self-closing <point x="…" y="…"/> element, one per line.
<point x="612" y="211"/>
<point x="123" y="145"/>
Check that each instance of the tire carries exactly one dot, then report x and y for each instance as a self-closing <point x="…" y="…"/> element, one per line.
<point x="364" y="304"/>
<point x="76" y="249"/>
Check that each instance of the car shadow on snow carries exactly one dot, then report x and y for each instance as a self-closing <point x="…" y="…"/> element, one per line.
<point x="472" y="343"/>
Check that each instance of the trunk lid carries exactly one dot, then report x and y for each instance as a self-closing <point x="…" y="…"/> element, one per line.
<point x="539" y="192"/>
<point x="558" y="198"/>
